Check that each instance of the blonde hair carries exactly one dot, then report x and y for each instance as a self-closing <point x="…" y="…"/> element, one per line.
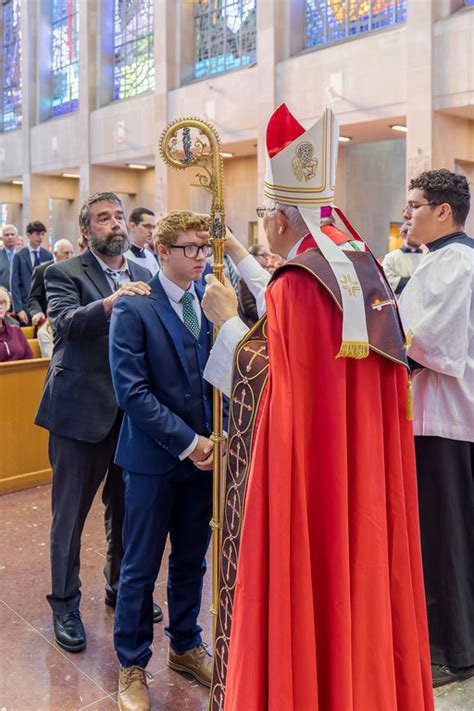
<point x="7" y="296"/>
<point x="166" y="229"/>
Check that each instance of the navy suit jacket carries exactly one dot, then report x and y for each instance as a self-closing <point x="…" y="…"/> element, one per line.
<point x="20" y="278"/>
<point x="4" y="269"/>
<point x="152" y="382"/>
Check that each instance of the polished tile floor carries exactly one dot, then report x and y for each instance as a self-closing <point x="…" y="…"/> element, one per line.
<point x="35" y="675"/>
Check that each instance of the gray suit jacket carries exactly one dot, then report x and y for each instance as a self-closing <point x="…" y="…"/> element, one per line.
<point x="78" y="398"/>
<point x="4" y="269"/>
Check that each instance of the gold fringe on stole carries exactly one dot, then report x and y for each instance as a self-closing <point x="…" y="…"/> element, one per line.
<point x="410" y="400"/>
<point x="353" y="349"/>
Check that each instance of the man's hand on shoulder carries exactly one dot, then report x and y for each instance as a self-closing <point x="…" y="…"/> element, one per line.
<point x="202" y="454"/>
<point x="132" y="288"/>
<point x="220" y="301"/>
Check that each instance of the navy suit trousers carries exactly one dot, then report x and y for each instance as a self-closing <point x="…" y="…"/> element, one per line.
<point x="178" y="503"/>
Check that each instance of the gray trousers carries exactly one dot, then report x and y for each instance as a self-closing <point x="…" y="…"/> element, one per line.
<point x="78" y="470"/>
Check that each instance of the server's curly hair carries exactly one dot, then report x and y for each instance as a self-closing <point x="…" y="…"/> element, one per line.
<point x="166" y="229"/>
<point x="441" y="186"/>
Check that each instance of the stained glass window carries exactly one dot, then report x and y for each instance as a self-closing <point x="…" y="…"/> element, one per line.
<point x="134" y="63"/>
<point x="65" y="56"/>
<point x="11" y="66"/>
<point x="225" y="35"/>
<point x="469" y="2"/>
<point x="335" y="20"/>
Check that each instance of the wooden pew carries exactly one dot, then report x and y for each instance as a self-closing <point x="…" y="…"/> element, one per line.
<point x="24" y="446"/>
<point x="35" y="347"/>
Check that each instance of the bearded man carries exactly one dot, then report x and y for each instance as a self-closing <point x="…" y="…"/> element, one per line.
<point x="78" y="405"/>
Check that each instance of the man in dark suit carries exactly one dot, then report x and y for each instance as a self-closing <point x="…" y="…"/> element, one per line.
<point x="159" y="345"/>
<point x="37" y="303"/>
<point x="22" y="268"/>
<point x="78" y="406"/>
<point x="9" y="237"/>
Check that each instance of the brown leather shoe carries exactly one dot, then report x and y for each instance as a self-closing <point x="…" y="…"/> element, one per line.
<point x="133" y="692"/>
<point x="196" y="661"/>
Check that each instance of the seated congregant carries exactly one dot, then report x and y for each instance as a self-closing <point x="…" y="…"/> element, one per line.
<point x="13" y="344"/>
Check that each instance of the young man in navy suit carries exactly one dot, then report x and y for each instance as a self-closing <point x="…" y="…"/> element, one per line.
<point x="159" y="345"/>
<point x="23" y="264"/>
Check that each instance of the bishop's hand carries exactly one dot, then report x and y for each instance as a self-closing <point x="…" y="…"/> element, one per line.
<point x="219" y="301"/>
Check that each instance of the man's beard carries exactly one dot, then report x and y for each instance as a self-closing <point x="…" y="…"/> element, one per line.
<point x="110" y="246"/>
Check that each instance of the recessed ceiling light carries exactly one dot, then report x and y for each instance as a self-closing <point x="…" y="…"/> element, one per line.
<point x="399" y="127"/>
<point x="71" y="175"/>
<point x="226" y="154"/>
<point x="17" y="182"/>
<point x="137" y="166"/>
<point x="345" y="139"/>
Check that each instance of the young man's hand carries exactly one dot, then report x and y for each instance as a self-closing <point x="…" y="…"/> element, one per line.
<point x="202" y="454"/>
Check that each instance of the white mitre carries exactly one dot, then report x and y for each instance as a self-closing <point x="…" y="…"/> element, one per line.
<point x="301" y="171"/>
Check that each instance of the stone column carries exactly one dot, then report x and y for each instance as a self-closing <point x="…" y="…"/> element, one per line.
<point x="27" y="17"/>
<point x="87" y="83"/>
<point x="166" y="46"/>
<point x="268" y="34"/>
<point x="419" y="87"/>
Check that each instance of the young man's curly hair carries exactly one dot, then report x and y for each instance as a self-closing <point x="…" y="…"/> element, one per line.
<point x="166" y="229"/>
<point x="441" y="186"/>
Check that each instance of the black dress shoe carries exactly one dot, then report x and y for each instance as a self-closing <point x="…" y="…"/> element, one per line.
<point x="69" y="631"/>
<point x="111" y="601"/>
<point x="442" y="674"/>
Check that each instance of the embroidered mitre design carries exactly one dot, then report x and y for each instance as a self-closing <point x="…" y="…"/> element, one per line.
<point x="301" y="171"/>
<point x="301" y="165"/>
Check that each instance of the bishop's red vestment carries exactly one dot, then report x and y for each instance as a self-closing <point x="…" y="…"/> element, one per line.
<point x="321" y="602"/>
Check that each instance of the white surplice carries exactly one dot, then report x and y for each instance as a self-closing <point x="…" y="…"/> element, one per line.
<point x="437" y="310"/>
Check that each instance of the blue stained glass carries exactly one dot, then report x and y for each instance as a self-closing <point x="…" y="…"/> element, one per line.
<point x="11" y="66"/>
<point x="225" y="35"/>
<point x="134" y="62"/>
<point x="335" y="20"/>
<point x="469" y="2"/>
<point x="65" y="56"/>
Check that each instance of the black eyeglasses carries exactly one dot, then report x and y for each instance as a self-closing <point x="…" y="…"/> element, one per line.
<point x="191" y="251"/>
<point x="262" y="210"/>
<point x="410" y="208"/>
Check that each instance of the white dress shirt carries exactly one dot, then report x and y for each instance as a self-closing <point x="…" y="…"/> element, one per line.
<point x="123" y="271"/>
<point x="33" y="252"/>
<point x="437" y="306"/>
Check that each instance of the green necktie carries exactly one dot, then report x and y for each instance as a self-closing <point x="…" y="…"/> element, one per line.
<point x="190" y="318"/>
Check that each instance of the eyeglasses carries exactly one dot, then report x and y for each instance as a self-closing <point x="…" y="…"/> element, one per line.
<point x="411" y="208"/>
<point x="191" y="251"/>
<point x="262" y="210"/>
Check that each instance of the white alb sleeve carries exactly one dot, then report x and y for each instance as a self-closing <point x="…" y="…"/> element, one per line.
<point x="256" y="278"/>
<point x="218" y="370"/>
<point x="435" y="307"/>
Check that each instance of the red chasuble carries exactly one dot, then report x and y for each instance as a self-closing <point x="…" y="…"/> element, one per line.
<point x="329" y="608"/>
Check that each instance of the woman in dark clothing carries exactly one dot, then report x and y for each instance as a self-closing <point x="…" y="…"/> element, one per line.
<point x="13" y="344"/>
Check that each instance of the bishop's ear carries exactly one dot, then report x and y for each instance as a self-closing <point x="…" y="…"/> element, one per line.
<point x="282" y="221"/>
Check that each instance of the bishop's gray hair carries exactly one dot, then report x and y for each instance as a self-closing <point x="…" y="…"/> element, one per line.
<point x="291" y="213"/>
